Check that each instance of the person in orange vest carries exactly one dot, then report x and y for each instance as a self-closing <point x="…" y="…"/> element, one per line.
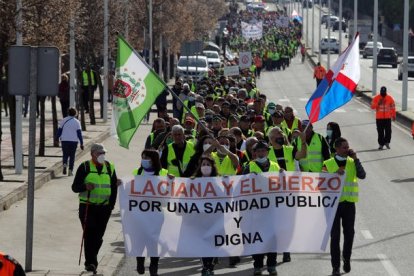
<point x="9" y="266"/>
<point x="259" y="64"/>
<point x="385" y="111"/>
<point x="319" y="73"/>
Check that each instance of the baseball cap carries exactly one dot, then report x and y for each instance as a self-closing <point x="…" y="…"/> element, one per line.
<point x="383" y="89"/>
<point x="259" y="118"/>
<point x="98" y="148"/>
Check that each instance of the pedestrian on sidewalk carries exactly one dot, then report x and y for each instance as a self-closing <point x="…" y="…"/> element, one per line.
<point x="384" y="105"/>
<point x="345" y="162"/>
<point x="9" y="266"/>
<point x="319" y="73"/>
<point x="97" y="185"/>
<point x="150" y="165"/>
<point x="70" y="133"/>
<point x="64" y="95"/>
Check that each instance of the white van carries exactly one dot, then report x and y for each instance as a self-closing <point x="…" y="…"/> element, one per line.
<point x="192" y="66"/>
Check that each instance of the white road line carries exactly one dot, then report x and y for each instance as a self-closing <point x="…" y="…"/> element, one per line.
<point x="284" y="100"/>
<point x="303" y="99"/>
<point x="363" y="110"/>
<point x="340" y="110"/>
<point x="410" y="99"/>
<point x="387" y="264"/>
<point x="367" y="235"/>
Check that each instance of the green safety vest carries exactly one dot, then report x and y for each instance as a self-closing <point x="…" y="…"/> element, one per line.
<point x="313" y="161"/>
<point x="85" y="78"/>
<point x="162" y="172"/>
<point x="225" y="167"/>
<point x="287" y="156"/>
<point x="253" y="167"/>
<point x="188" y="153"/>
<point x="294" y="125"/>
<point x="102" y="182"/>
<point x="350" y="189"/>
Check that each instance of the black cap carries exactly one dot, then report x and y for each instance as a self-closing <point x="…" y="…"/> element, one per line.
<point x="261" y="145"/>
<point x="383" y="89"/>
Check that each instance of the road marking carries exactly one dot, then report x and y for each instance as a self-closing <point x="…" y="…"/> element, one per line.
<point x="303" y="99"/>
<point x="367" y="235"/>
<point x="387" y="264"/>
<point x="340" y="110"/>
<point x="410" y="99"/>
<point x="284" y="100"/>
<point x="363" y="110"/>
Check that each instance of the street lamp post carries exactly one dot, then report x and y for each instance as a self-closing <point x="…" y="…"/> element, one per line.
<point x="340" y="27"/>
<point x="329" y="35"/>
<point x="405" y="57"/>
<point x="320" y="30"/>
<point x="313" y="28"/>
<point x="375" y="50"/>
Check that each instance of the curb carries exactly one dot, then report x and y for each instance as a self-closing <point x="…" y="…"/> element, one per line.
<point x="49" y="174"/>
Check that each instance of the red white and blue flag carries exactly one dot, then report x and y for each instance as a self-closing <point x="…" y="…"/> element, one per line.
<point x="338" y="86"/>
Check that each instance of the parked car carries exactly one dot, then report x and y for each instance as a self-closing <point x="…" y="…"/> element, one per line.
<point x="369" y="49"/>
<point x="192" y="66"/>
<point x="387" y="56"/>
<point x="335" y="26"/>
<point x="410" y="68"/>
<point x="331" y="19"/>
<point x="213" y="59"/>
<point x="307" y="3"/>
<point x="329" y="43"/>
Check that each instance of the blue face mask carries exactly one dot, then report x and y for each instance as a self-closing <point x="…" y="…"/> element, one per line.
<point x="340" y="158"/>
<point x="261" y="160"/>
<point x="146" y="163"/>
<point x="329" y="133"/>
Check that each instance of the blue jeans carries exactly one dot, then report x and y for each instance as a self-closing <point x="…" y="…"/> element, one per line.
<point x="69" y="150"/>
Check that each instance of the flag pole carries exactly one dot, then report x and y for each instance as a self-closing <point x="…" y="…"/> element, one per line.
<point x="313" y="114"/>
<point x="166" y="86"/>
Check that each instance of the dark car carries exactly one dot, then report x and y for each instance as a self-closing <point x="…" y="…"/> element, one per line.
<point x="387" y="56"/>
<point x="335" y="26"/>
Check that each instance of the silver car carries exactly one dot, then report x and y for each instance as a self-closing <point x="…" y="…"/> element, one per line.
<point x="369" y="49"/>
<point x="410" y="68"/>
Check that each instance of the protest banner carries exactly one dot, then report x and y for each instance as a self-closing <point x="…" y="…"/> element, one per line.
<point x="229" y="216"/>
<point x="245" y="60"/>
<point x="252" y="30"/>
<point x="231" y="71"/>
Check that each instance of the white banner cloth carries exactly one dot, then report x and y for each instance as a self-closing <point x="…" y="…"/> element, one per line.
<point x="252" y="30"/>
<point x="228" y="216"/>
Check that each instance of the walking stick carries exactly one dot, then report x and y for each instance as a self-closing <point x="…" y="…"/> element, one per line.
<point x="84" y="226"/>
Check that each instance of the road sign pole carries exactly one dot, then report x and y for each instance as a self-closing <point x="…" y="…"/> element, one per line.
<point x="18" y="152"/>
<point x="405" y="57"/>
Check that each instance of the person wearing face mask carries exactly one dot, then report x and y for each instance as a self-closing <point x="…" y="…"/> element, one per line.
<point x="150" y="165"/>
<point x="259" y="165"/>
<point x="226" y="161"/>
<point x="206" y="168"/>
<point x="202" y="148"/>
<point x="345" y="162"/>
<point x="333" y="131"/>
<point x="97" y="185"/>
<point x="384" y="106"/>
<point x="158" y="127"/>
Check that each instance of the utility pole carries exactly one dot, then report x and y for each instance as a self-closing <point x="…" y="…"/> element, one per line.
<point x="313" y="28"/>
<point x="307" y="23"/>
<point x="105" y="77"/>
<point x="72" y="62"/>
<point x="150" y="33"/>
<point x="329" y="35"/>
<point x="320" y="30"/>
<point x="355" y="18"/>
<point x="160" y="71"/>
<point x="18" y="152"/>
<point x="340" y="27"/>
<point x="126" y="23"/>
<point x="405" y="57"/>
<point x="375" y="50"/>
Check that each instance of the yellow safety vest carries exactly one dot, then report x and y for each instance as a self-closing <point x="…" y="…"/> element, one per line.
<point x="102" y="182"/>
<point x="162" y="172"/>
<point x="85" y="78"/>
<point x="313" y="161"/>
<point x="188" y="153"/>
<point x="253" y="167"/>
<point x="350" y="189"/>
<point x="287" y="156"/>
<point x="294" y="125"/>
<point x="225" y="167"/>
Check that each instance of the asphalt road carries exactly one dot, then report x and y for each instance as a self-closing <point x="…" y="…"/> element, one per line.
<point x="384" y="226"/>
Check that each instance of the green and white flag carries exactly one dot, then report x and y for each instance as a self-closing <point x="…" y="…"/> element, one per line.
<point x="135" y="91"/>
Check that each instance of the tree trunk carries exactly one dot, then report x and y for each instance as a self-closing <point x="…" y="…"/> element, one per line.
<point x="12" y="105"/>
<point x="55" y="122"/>
<point x="42" y="126"/>
<point x="101" y="91"/>
<point x="91" y="105"/>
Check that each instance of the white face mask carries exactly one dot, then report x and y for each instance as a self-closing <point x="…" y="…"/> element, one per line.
<point x="206" y="170"/>
<point x="340" y="158"/>
<point x="261" y="160"/>
<point x="101" y="158"/>
<point x="146" y="163"/>
<point x="329" y="133"/>
<point x="272" y="111"/>
<point x="206" y="147"/>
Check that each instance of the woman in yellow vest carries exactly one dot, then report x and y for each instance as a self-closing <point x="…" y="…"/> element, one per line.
<point x="345" y="162"/>
<point x="207" y="168"/>
<point x="150" y="165"/>
<point x="259" y="165"/>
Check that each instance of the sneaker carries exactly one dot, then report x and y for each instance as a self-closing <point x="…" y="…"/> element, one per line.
<point x="141" y="269"/>
<point x="90" y="267"/>
<point x="347" y="265"/>
<point x="381" y="147"/>
<point x="272" y="270"/>
<point x="335" y="272"/>
<point x="64" y="170"/>
<point x="257" y="271"/>
<point x="70" y="173"/>
<point x="387" y="145"/>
